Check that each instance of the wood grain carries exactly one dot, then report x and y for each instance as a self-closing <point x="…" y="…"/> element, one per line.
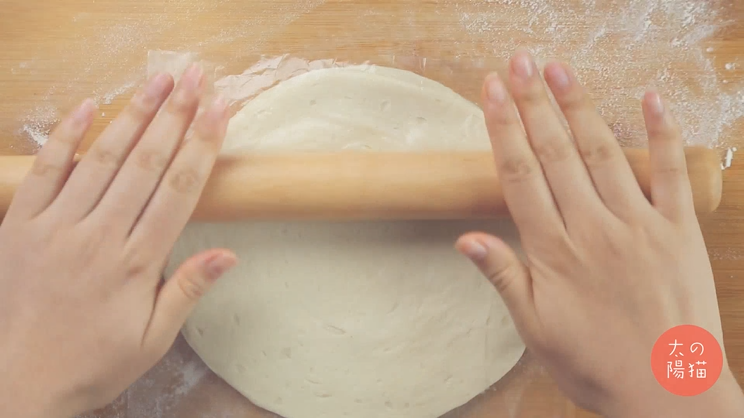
<point x="65" y="50"/>
<point x="373" y="186"/>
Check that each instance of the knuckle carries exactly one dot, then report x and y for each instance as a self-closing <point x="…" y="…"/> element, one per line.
<point x="518" y="169"/>
<point x="558" y="252"/>
<point x="45" y="169"/>
<point x="137" y="263"/>
<point x="502" y="276"/>
<point x="207" y="137"/>
<point x="613" y="237"/>
<point x="185" y="180"/>
<point x="550" y="241"/>
<point x="142" y="106"/>
<point x="65" y="136"/>
<point x="574" y="102"/>
<point x="151" y="160"/>
<point x="136" y="269"/>
<point x="499" y="121"/>
<point x="553" y="150"/>
<point x="182" y="102"/>
<point x="665" y="130"/>
<point x="191" y="285"/>
<point x="659" y="133"/>
<point x="532" y="96"/>
<point x="105" y="157"/>
<point x="504" y="115"/>
<point x="598" y="154"/>
<point x="557" y="237"/>
<point x="671" y="171"/>
<point x="94" y="241"/>
<point x="617" y="244"/>
<point x="68" y="133"/>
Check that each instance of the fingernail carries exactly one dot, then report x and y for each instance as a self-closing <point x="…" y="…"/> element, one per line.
<point x="523" y="65"/>
<point x="157" y="85"/>
<point x="558" y="76"/>
<point x="655" y="104"/>
<point x="192" y="77"/>
<point x="216" y="265"/>
<point x="84" y="112"/>
<point x="495" y="89"/>
<point x="475" y="250"/>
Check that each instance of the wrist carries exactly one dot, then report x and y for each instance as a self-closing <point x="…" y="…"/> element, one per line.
<point x="21" y="399"/>
<point x="724" y="400"/>
<point x="15" y="408"/>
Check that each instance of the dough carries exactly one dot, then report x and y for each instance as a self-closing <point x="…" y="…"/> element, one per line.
<point x="360" y="320"/>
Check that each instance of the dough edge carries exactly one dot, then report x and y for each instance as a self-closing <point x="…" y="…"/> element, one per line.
<point x="194" y="327"/>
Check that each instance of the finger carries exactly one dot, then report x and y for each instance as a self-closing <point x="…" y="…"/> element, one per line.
<point x="501" y="266"/>
<point x="609" y="169"/>
<point x="53" y="164"/>
<point x="671" y="192"/>
<point x="177" y="195"/>
<point x="525" y="190"/>
<point x="179" y="295"/>
<point x="143" y="169"/>
<point x="566" y="174"/>
<point x="96" y="170"/>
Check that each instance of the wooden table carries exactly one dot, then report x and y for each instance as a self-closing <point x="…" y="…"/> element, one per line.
<point x="56" y="53"/>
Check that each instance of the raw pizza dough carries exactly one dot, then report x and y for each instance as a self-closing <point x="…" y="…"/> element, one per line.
<point x="359" y="320"/>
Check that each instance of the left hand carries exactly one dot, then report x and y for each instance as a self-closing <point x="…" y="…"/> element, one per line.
<point x="82" y="310"/>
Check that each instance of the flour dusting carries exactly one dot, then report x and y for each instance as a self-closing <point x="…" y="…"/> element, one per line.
<point x="158" y="393"/>
<point x="37" y="123"/>
<point x="114" y="54"/>
<point x="622" y="48"/>
<point x="619" y="48"/>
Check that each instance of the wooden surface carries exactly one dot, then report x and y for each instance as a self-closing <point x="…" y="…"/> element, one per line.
<point x="52" y="54"/>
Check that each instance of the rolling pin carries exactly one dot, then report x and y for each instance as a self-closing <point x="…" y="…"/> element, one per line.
<point x="373" y="186"/>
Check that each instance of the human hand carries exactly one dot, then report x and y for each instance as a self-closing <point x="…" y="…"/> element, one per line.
<point x="606" y="271"/>
<point x="82" y="312"/>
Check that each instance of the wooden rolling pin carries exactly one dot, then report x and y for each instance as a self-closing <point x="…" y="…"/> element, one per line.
<point x="370" y="186"/>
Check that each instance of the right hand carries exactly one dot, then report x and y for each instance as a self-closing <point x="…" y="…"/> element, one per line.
<point x="606" y="271"/>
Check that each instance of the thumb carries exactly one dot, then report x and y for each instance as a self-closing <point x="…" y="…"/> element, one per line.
<point x="500" y="264"/>
<point x="180" y="294"/>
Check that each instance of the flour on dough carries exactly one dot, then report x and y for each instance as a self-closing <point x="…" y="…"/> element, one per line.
<point x="359" y="320"/>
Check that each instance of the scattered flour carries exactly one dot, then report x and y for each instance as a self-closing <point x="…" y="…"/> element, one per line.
<point x="112" y="54"/>
<point x="726" y="254"/>
<point x="37" y="123"/>
<point x="728" y="158"/>
<point x="109" y="96"/>
<point x="619" y="48"/>
<point x="622" y="48"/>
<point x="157" y="394"/>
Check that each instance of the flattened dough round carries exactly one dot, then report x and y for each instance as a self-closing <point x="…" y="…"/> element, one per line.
<point x="360" y="320"/>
